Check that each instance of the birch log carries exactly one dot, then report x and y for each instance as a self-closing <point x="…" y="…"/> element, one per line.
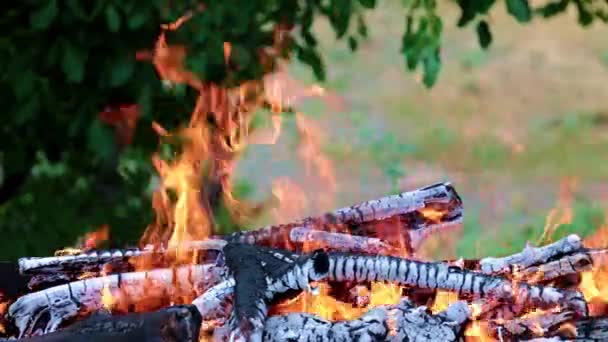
<point x="441" y="276"/>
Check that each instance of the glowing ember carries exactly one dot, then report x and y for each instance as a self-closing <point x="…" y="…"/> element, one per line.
<point x="328" y="307"/>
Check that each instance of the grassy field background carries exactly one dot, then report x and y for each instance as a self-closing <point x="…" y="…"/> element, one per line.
<point x="521" y="129"/>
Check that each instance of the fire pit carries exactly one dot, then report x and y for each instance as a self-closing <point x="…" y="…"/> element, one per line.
<point x="348" y="275"/>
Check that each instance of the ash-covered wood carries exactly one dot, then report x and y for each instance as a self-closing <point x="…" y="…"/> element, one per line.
<point x="441" y="276"/>
<point x="45" y="310"/>
<point x="172" y="324"/>
<point x="50" y="271"/>
<point x="259" y="275"/>
<point x="530" y="256"/>
<point x="533" y="326"/>
<point x="214" y="304"/>
<point x="402" y="220"/>
<point x="560" y="326"/>
<point x="402" y="322"/>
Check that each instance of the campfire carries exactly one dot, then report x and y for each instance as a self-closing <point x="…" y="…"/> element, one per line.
<point x="352" y="274"/>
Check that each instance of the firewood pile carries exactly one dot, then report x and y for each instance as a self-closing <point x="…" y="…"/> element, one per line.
<point x="234" y="288"/>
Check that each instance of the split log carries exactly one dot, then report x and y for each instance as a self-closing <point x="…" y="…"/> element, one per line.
<point x="47" y="309"/>
<point x="173" y="324"/>
<point x="402" y="322"/>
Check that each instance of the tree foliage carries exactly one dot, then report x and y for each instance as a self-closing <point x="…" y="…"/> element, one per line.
<point x="64" y="170"/>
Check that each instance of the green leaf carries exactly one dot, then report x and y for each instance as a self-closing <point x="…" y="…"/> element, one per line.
<point x="145" y="101"/>
<point x="311" y="57"/>
<point x="483" y="6"/>
<point x="112" y="18"/>
<point x="520" y="10"/>
<point x="468" y="12"/>
<point x="553" y="8"/>
<point x="76" y="7"/>
<point x="368" y="3"/>
<point x="100" y="140"/>
<point x="361" y="26"/>
<point x="352" y="43"/>
<point x="73" y="63"/>
<point x="44" y="16"/>
<point x="431" y="66"/>
<point x="138" y="19"/>
<point x="121" y="71"/>
<point x="339" y="17"/>
<point x="484" y="34"/>
<point x="584" y="16"/>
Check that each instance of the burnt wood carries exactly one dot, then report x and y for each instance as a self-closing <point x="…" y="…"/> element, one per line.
<point x="173" y="324"/>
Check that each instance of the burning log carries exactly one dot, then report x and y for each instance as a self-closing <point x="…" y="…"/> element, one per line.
<point x="402" y="322"/>
<point x="61" y="269"/>
<point x="47" y="309"/>
<point x="402" y="220"/>
<point x="529" y="327"/>
<point x="173" y="324"/>
<point x="530" y="256"/>
<point x="560" y="326"/>
<point x="394" y="224"/>
<point x="441" y="276"/>
<point x="260" y="274"/>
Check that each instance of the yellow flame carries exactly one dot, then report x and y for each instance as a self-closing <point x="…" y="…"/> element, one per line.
<point x="588" y="287"/>
<point x="443" y="299"/>
<point x="107" y="299"/>
<point x="330" y="308"/>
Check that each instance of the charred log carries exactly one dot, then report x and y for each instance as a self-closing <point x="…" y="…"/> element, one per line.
<point x="173" y="324"/>
<point x="259" y="275"/>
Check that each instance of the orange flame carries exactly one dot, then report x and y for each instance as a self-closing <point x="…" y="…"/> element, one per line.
<point x="562" y="213"/>
<point x="328" y="307"/>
